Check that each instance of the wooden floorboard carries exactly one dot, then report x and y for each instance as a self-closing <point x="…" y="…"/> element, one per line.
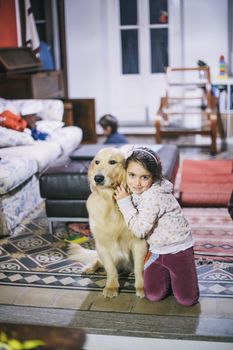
<point x="122" y="324"/>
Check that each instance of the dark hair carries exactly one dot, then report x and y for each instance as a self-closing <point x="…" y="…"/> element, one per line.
<point x="109" y="120"/>
<point x="149" y="160"/>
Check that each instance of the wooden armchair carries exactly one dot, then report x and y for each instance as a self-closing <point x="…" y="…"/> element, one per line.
<point x="188" y="108"/>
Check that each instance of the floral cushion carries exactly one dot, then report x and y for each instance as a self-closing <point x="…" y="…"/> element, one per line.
<point x="10" y="138"/>
<point x="14" y="170"/>
<point x="47" y="109"/>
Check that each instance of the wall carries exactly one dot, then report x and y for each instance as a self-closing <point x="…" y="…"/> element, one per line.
<point x="205" y="32"/>
<point x="86" y="49"/>
<point x="8" y="27"/>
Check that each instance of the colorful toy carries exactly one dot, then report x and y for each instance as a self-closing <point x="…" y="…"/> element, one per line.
<point x="222" y="67"/>
<point x="76" y="238"/>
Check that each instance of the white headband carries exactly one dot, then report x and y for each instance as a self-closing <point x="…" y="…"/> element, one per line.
<point x="150" y="154"/>
<point x="129" y="149"/>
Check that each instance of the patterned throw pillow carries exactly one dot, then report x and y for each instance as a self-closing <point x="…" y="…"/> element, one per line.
<point x="10" y="138"/>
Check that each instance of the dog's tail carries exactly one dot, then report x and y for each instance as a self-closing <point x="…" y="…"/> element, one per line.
<point x="78" y="253"/>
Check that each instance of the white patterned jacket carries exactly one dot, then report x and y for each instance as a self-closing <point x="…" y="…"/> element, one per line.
<point x="157" y="216"/>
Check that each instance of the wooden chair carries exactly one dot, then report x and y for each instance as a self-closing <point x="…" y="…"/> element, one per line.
<point x="188" y="107"/>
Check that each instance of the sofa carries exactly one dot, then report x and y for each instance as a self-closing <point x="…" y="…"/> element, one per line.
<point x="22" y="159"/>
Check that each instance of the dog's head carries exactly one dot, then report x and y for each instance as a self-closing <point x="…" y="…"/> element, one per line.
<point x="107" y="169"/>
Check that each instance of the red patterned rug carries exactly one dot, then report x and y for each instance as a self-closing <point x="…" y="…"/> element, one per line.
<point x="212" y="230"/>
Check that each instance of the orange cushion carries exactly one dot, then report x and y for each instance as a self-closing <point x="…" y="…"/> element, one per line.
<point x="206" y="182"/>
<point x="213" y="167"/>
<point x="193" y="187"/>
<point x="192" y="199"/>
<point x="204" y="178"/>
<point x="12" y="121"/>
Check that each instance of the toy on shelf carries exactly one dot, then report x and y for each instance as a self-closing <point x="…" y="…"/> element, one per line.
<point x="222" y="68"/>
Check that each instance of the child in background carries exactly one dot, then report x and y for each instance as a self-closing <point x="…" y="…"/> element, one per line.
<point x="109" y="125"/>
<point x="152" y="212"/>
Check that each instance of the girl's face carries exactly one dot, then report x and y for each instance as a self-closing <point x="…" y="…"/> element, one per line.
<point x="138" y="178"/>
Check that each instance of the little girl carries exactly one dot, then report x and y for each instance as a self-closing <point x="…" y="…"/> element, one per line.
<point x="151" y="211"/>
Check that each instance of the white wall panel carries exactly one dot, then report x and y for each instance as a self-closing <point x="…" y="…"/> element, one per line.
<point x="205" y="32"/>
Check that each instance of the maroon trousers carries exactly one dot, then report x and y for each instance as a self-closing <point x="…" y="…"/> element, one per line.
<point x="173" y="272"/>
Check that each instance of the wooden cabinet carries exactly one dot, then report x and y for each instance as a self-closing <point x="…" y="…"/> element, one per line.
<point x="21" y="76"/>
<point x="47" y="84"/>
<point x="83" y="115"/>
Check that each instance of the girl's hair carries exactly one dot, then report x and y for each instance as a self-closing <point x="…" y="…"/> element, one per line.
<point x="109" y="120"/>
<point x="149" y="160"/>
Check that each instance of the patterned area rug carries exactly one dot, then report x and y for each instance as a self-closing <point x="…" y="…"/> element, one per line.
<point x="32" y="257"/>
<point x="212" y="230"/>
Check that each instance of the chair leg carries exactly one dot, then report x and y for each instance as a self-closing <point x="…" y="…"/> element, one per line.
<point x="158" y="131"/>
<point x="50" y="227"/>
<point x="213" y="147"/>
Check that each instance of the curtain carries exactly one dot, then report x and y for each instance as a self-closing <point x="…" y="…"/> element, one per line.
<point x="32" y="37"/>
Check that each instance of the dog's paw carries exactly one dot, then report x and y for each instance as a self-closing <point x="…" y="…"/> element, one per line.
<point x="91" y="268"/>
<point x="110" y="292"/>
<point x="88" y="271"/>
<point x="140" y="293"/>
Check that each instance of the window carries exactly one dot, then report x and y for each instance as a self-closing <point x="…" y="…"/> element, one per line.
<point x="44" y="20"/>
<point x="129" y="36"/>
<point x="157" y="22"/>
<point x="158" y="35"/>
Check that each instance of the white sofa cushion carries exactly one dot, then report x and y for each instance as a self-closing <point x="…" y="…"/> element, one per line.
<point x="10" y="138"/>
<point x="43" y="152"/>
<point x="14" y="170"/>
<point x="52" y="110"/>
<point x="31" y="107"/>
<point x="62" y="141"/>
<point x="69" y="138"/>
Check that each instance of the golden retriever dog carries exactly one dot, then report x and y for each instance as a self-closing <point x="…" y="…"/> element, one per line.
<point x="116" y="246"/>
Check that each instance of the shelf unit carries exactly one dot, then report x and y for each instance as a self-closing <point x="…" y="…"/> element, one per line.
<point x="225" y="101"/>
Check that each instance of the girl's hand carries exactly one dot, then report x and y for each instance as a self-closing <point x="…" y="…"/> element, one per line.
<point x="120" y="192"/>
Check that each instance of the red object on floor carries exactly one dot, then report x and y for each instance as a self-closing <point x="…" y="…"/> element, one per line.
<point x="82" y="228"/>
<point x="206" y="183"/>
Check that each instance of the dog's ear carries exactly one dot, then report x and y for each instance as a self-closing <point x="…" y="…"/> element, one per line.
<point x="122" y="172"/>
<point x="89" y="174"/>
<point x="90" y="169"/>
<point x="122" y="177"/>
